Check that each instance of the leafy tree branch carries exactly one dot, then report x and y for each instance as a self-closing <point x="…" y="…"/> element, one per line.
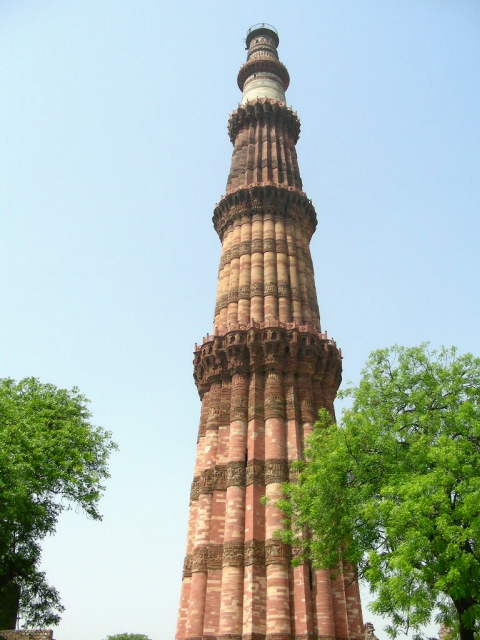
<point x="396" y="487"/>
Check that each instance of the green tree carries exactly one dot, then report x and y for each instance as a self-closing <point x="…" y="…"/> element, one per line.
<point x="51" y="458"/>
<point x="396" y="487"/>
<point x="128" y="636"/>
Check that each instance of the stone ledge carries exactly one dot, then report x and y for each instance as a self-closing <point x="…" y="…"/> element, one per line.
<point x="263" y="109"/>
<point x="285" y="347"/>
<point x="262" y="198"/>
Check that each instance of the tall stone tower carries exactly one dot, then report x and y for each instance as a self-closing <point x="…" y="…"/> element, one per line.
<point x="262" y="375"/>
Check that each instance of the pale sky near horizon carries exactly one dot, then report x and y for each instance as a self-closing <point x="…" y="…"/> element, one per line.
<point x="114" y="151"/>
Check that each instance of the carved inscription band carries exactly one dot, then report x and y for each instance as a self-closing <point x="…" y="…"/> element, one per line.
<point x="237" y="554"/>
<point x="265" y="245"/>
<point x="282" y="290"/>
<point x="277" y="245"/>
<point x="255" y="473"/>
<point x="235" y="474"/>
<point x="276" y="470"/>
<point x="209" y="481"/>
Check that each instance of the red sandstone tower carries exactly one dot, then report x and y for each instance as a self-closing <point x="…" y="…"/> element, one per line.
<point x="262" y="376"/>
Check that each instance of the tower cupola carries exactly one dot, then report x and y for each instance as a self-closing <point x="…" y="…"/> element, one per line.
<point x="263" y="75"/>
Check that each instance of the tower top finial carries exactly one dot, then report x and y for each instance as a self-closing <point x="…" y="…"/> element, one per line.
<point x="263" y="75"/>
<point x="262" y="28"/>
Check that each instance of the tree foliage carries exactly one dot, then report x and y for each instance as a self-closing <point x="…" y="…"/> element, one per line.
<point x="51" y="458"/>
<point x="396" y="487"/>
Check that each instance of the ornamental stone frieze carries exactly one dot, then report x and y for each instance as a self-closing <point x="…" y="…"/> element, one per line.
<point x="297" y="551"/>
<point x="257" y="245"/>
<point x="233" y="553"/>
<point x="236" y="474"/>
<point x="269" y="244"/>
<point x="271" y="289"/>
<point x="207" y="481"/>
<point x="274" y="404"/>
<point x="187" y="566"/>
<point x="256" y="411"/>
<point x="239" y="389"/>
<point x="244" y="292"/>
<point x="254" y="552"/>
<point x="257" y="289"/>
<point x="195" y="490"/>
<point x="224" y="415"/>
<point x="215" y="556"/>
<point x="284" y="290"/>
<point x="214" y="479"/>
<point x="239" y="407"/>
<point x="276" y="471"/>
<point x="255" y="472"/>
<point x="233" y="295"/>
<point x="291" y="399"/>
<point x="238" y="554"/>
<point x="293" y="471"/>
<point x="277" y="553"/>
<point x="200" y="559"/>
<point x="220" y="477"/>
<point x="245" y="248"/>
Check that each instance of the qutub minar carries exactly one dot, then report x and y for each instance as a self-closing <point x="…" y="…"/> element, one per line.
<point x="262" y="375"/>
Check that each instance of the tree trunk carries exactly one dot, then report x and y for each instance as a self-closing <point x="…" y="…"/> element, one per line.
<point x="465" y="634"/>
<point x="9" y="603"/>
<point x="462" y="606"/>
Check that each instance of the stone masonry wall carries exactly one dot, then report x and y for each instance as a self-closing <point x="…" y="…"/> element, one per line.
<point x="27" y="634"/>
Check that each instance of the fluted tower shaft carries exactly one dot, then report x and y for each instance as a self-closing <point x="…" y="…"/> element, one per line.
<point x="262" y="376"/>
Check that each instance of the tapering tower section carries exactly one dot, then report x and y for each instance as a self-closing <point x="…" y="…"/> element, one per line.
<point x="262" y="376"/>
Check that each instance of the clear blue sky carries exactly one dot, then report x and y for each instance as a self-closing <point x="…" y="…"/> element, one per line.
<point x="114" y="151"/>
